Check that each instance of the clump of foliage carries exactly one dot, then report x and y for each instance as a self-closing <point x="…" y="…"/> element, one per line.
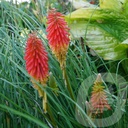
<point x="98" y="44"/>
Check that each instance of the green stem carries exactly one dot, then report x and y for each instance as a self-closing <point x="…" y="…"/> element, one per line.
<point x="8" y="121"/>
<point x="51" y="116"/>
<point x="67" y="84"/>
<point x="47" y="109"/>
<point x="45" y="102"/>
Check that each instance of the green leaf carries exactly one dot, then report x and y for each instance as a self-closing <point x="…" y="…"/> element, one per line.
<point x="104" y="30"/>
<point x="91" y="14"/>
<point x="125" y="8"/>
<point x="123" y="45"/>
<point x="24" y="115"/>
<point x="112" y="4"/>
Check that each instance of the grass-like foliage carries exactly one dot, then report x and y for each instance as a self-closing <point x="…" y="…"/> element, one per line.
<point x="20" y="104"/>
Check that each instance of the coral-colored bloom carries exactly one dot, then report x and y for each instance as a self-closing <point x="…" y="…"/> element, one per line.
<point x="58" y="36"/>
<point x="99" y="99"/>
<point x="36" y="59"/>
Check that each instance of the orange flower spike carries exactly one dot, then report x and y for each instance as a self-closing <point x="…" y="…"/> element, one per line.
<point x="37" y="64"/>
<point x="98" y="97"/>
<point x="36" y="59"/>
<point x="58" y="35"/>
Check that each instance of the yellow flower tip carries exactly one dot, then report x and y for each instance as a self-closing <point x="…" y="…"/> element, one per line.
<point x="61" y="55"/>
<point x="98" y="79"/>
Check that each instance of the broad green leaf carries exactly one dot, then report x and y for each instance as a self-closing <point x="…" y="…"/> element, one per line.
<point x="112" y="4"/>
<point x="104" y="30"/>
<point x="125" y="8"/>
<point x="103" y="43"/>
<point x="93" y="15"/>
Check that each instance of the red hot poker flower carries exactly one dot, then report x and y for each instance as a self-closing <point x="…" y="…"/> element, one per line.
<point x="58" y="36"/>
<point x="98" y="97"/>
<point x="36" y="59"/>
<point x="37" y="64"/>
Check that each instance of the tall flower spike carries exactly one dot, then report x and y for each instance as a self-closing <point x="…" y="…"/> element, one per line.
<point x="99" y="99"/>
<point x="36" y="62"/>
<point x="58" y="36"/>
<point x="36" y="59"/>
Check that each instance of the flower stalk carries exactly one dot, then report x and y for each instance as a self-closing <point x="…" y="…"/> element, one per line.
<point x="67" y="84"/>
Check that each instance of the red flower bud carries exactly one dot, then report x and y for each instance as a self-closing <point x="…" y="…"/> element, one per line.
<point x="36" y="59"/>
<point x="58" y="35"/>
